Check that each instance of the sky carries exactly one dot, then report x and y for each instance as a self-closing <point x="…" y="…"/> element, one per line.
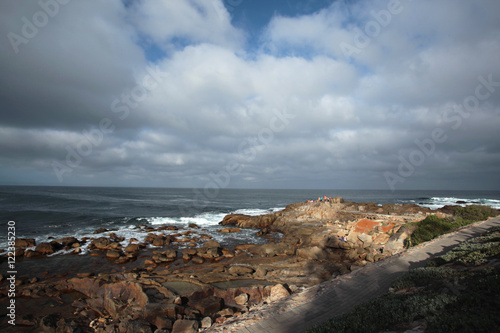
<point x="347" y="94"/>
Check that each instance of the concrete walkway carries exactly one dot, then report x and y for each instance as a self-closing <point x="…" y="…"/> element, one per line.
<point x="364" y="284"/>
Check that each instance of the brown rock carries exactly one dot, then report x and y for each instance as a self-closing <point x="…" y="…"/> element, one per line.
<point x="240" y="270"/>
<point x="101" y="243"/>
<point x="211" y="243"/>
<point x="18" y="252"/>
<point x="208" y="305"/>
<point x="278" y="292"/>
<point x="112" y="254"/>
<point x="31" y="254"/>
<point x="100" y="231"/>
<point x="312" y="253"/>
<point x="198" y="260"/>
<point x="162" y="322"/>
<point x="241" y="299"/>
<point x="206" y="322"/>
<point x="45" y="248"/>
<point x="132" y="248"/>
<point x="24" y="242"/>
<point x="171" y="254"/>
<point x="185" y="326"/>
<point x="229" y="230"/>
<point x="159" y="241"/>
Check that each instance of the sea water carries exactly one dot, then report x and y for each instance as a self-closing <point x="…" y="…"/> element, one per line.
<point x="46" y="213"/>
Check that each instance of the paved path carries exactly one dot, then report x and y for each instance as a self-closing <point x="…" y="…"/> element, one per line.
<point x="364" y="284"/>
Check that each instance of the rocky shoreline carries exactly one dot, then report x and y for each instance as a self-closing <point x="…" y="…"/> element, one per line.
<point x="180" y="280"/>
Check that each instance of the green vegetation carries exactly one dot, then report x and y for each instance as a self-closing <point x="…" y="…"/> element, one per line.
<point x="434" y="226"/>
<point x="457" y="292"/>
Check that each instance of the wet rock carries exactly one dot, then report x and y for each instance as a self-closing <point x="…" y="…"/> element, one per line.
<point x="100" y="231"/>
<point x="185" y="326"/>
<point x="112" y="254"/>
<point x="45" y="248"/>
<point x="229" y="230"/>
<point x="208" y="305"/>
<point x="131" y="248"/>
<point x="25" y="242"/>
<point x="18" y="252"/>
<point x="193" y="225"/>
<point x="67" y="241"/>
<point x="101" y="243"/>
<point x="171" y="254"/>
<point x="212" y="243"/>
<point x="31" y="254"/>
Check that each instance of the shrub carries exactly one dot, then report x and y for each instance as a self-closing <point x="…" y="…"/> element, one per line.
<point x="475" y="213"/>
<point x="428" y="229"/>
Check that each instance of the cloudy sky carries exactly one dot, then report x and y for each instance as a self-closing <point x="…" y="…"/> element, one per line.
<point x="251" y="93"/>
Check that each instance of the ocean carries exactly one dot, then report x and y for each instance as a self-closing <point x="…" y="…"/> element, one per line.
<point x="46" y="213"/>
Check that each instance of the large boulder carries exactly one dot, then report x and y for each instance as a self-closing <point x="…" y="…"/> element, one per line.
<point x="25" y="242"/>
<point x="45" y="248"/>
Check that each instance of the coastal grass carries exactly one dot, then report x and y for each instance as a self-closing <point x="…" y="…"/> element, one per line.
<point x="433" y="226"/>
<point x="449" y="295"/>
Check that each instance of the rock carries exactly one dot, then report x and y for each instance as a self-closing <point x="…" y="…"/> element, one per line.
<point x="18" y="252"/>
<point x="100" y="231"/>
<point x="45" y="248"/>
<point x="112" y="254"/>
<point x="24" y="242"/>
<point x="206" y="322"/>
<point x="229" y="230"/>
<point x="101" y="243"/>
<point x="159" y="241"/>
<point x="367" y="240"/>
<point x="171" y="310"/>
<point x="85" y="275"/>
<point x="134" y="326"/>
<point x="312" y="253"/>
<point x="132" y="248"/>
<point x="185" y="326"/>
<point x="278" y="292"/>
<point x="67" y="241"/>
<point x="240" y="270"/>
<point x="171" y="254"/>
<point x="260" y="272"/>
<point x="198" y="260"/>
<point x="212" y="243"/>
<point x="31" y="254"/>
<point x="193" y="225"/>
<point x="227" y="312"/>
<point x="208" y="305"/>
<point x="241" y="299"/>
<point x="162" y="322"/>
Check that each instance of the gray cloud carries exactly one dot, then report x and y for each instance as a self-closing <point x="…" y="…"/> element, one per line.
<point x="297" y="113"/>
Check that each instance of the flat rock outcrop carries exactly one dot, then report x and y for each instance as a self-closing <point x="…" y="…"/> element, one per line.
<point x="183" y="281"/>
